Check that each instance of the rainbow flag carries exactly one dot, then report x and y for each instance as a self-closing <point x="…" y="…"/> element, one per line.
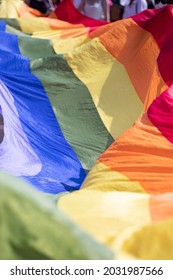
<point x="87" y="113"/>
<point x="49" y="115"/>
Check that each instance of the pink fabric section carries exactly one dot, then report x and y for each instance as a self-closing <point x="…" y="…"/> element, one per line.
<point x="160" y="113"/>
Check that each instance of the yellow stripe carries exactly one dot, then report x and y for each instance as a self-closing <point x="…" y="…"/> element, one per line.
<point x="41" y="28"/>
<point x="156" y="241"/>
<point x="48" y="35"/>
<point x="109" y="86"/>
<point x="106" y="215"/>
<point x="10" y="8"/>
<point x="68" y="45"/>
<point x="103" y="178"/>
<point x="60" y="45"/>
<point x="33" y="24"/>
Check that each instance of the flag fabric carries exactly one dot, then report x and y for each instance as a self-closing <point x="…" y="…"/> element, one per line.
<point x="48" y="151"/>
<point x="126" y="199"/>
<point x="87" y="112"/>
<point x="33" y="229"/>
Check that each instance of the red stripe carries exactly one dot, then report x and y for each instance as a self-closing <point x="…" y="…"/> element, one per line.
<point x="67" y="12"/>
<point x="159" y="22"/>
<point x="160" y="113"/>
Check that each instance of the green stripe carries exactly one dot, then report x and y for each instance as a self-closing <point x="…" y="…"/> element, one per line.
<point x="13" y="23"/>
<point x="29" y="47"/>
<point x="70" y="99"/>
<point x="13" y="27"/>
<point x="35" y="48"/>
<point x="33" y="229"/>
<point x="15" y="31"/>
<point x="74" y="109"/>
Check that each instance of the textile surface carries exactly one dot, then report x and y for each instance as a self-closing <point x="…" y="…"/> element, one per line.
<point x="87" y="116"/>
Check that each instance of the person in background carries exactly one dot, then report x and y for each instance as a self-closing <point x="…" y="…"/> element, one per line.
<point x="116" y="10"/>
<point x="133" y="7"/>
<point x="97" y="9"/>
<point x="161" y="3"/>
<point x="56" y="3"/>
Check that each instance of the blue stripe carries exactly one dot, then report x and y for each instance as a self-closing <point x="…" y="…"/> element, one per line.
<point x="61" y="169"/>
<point x="2" y="25"/>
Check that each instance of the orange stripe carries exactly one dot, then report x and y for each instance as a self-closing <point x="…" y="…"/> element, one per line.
<point x="67" y="29"/>
<point x="161" y="206"/>
<point x="144" y="156"/>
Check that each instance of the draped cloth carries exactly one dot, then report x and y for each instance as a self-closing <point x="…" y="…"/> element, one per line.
<point x="87" y="113"/>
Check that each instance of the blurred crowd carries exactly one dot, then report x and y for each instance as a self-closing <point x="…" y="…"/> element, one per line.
<point x="108" y="10"/>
